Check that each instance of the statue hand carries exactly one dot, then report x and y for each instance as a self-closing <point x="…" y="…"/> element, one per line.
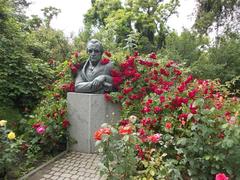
<point x="107" y="86"/>
<point x="100" y="78"/>
<point x="96" y="84"/>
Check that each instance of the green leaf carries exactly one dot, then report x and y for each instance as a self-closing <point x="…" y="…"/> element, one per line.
<point x="126" y="138"/>
<point x="182" y="141"/>
<point x="152" y="172"/>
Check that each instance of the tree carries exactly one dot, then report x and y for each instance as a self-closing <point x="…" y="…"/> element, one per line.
<point x="222" y="61"/>
<point x="148" y="18"/>
<point x="34" y="23"/>
<point x="188" y="45"/>
<point x="23" y="75"/>
<point x="49" y="13"/>
<point x="221" y="15"/>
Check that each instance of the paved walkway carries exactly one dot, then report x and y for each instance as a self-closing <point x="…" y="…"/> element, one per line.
<point x="73" y="165"/>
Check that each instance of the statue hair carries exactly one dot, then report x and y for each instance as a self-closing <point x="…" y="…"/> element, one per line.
<point x="95" y="41"/>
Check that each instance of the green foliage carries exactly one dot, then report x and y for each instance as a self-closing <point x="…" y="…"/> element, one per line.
<point x="22" y="76"/>
<point x="100" y="11"/>
<point x="10" y="147"/>
<point x="49" y="45"/>
<point x="118" y="160"/>
<point x="9" y="113"/>
<point x="188" y="45"/>
<point x="220" y="62"/>
<point x="49" y="123"/>
<point x="27" y="50"/>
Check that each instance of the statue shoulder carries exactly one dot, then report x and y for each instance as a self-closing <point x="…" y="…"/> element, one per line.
<point x="110" y="65"/>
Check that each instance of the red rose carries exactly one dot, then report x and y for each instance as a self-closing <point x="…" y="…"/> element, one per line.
<point x="104" y="61"/>
<point x="73" y="69"/>
<point x="98" y="134"/>
<point x="164" y="72"/>
<point x="189" y="79"/>
<point x="124" y="122"/>
<point x="157" y="109"/>
<point x="221" y="176"/>
<point x="183" y="116"/>
<point x="107" y="97"/>
<point x="65" y="123"/>
<point x="36" y="125"/>
<point x="140" y="151"/>
<point x="115" y="73"/>
<point x="108" y="54"/>
<point x="153" y="56"/>
<point x="192" y="93"/>
<point x="193" y="109"/>
<point x="221" y="135"/>
<point x="227" y="115"/>
<point x="135" y="54"/>
<point x="123" y="130"/>
<point x="154" y="138"/>
<point x="168" y="125"/>
<point x="149" y="102"/>
<point x="162" y="99"/>
<point x="127" y="90"/>
<point x="117" y="81"/>
<point x="76" y="54"/>
<point x="177" y="72"/>
<point x="77" y="65"/>
<point x="181" y="88"/>
<point x="68" y="87"/>
<point x="146" y="109"/>
<point x="170" y="63"/>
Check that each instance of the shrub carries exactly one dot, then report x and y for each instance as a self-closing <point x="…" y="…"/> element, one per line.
<point x="49" y="122"/>
<point x="183" y="128"/>
<point x="10" y="147"/>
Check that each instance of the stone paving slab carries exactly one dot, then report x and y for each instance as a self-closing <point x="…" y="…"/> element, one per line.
<point x="72" y="166"/>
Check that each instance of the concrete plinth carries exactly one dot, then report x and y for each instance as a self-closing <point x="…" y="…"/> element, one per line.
<point x="86" y="113"/>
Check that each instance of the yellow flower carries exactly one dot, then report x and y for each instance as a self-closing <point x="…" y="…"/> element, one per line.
<point x="3" y="123"/>
<point x="11" y="135"/>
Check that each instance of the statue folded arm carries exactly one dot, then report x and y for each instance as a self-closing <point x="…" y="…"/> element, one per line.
<point x="101" y="82"/>
<point x="82" y="86"/>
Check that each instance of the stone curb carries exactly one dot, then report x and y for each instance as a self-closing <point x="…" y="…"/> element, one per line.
<point x="43" y="165"/>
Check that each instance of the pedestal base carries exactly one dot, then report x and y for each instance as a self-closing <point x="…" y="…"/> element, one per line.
<point x="86" y="113"/>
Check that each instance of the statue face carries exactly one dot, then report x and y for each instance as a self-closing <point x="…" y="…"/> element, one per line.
<point x="94" y="52"/>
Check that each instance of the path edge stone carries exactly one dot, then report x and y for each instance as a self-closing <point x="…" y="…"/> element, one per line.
<point x="43" y="165"/>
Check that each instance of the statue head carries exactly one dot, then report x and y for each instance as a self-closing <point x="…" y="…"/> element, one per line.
<point x="95" y="50"/>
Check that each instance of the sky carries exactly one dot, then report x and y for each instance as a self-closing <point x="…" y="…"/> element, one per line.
<point x="70" y="20"/>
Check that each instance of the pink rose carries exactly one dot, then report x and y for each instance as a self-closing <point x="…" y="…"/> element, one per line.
<point x="221" y="176"/>
<point x="154" y="138"/>
<point x="40" y="129"/>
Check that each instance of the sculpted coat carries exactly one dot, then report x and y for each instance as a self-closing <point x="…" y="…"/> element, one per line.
<point x="86" y="77"/>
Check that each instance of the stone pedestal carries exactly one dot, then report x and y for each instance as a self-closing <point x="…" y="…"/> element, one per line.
<point x="86" y="113"/>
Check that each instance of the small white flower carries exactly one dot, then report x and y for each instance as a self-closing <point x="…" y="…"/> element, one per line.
<point x="132" y="119"/>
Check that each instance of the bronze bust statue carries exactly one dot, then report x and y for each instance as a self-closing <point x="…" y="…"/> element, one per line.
<point x="95" y="76"/>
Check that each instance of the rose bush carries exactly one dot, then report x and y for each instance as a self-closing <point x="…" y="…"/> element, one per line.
<point x="183" y="128"/>
<point x="49" y="121"/>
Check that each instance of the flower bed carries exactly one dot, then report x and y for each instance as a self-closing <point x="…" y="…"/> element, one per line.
<point x="173" y="126"/>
